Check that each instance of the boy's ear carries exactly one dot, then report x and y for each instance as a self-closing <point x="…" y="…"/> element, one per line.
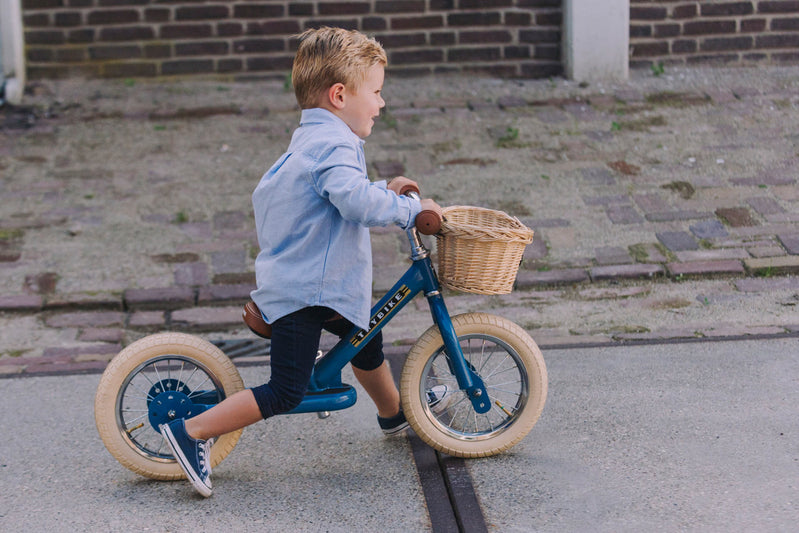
<point x="335" y="95"/>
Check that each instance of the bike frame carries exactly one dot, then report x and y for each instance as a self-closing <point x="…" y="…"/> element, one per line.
<point x="326" y="392"/>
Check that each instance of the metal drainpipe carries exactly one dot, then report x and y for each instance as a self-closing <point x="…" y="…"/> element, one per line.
<point x="12" y="52"/>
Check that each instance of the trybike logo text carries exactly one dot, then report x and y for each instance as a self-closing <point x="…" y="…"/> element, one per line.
<point x="378" y="317"/>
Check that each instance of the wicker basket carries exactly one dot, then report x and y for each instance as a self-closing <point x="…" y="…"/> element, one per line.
<point x="480" y="250"/>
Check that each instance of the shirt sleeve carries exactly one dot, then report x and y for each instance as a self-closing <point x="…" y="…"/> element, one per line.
<point x="339" y="178"/>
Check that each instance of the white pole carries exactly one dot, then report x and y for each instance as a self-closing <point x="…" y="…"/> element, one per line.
<point x="13" y="50"/>
<point x="596" y="39"/>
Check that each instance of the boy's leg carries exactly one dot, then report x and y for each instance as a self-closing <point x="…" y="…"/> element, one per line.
<point x="236" y="412"/>
<point x="379" y="385"/>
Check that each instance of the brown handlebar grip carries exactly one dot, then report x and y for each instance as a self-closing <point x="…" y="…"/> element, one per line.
<point x="409" y="188"/>
<point x="428" y="222"/>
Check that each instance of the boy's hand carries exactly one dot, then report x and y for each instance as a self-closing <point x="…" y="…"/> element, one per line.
<point x="400" y="185"/>
<point x="430" y="205"/>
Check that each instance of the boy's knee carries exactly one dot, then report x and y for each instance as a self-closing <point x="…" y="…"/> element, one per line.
<point x="275" y="401"/>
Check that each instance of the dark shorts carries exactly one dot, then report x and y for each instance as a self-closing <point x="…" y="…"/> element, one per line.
<point x="295" y="342"/>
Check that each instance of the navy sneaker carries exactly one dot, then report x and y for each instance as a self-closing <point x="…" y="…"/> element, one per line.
<point x="435" y="399"/>
<point x="193" y="456"/>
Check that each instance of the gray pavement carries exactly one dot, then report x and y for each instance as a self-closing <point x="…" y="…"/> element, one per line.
<point x="675" y="437"/>
<point x="664" y="207"/>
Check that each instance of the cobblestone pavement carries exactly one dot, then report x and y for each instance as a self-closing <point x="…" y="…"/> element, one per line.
<point x="664" y="207"/>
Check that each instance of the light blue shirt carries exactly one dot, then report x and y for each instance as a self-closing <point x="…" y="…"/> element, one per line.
<point x="312" y="212"/>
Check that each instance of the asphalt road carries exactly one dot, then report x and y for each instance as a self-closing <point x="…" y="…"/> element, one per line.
<point x="673" y="437"/>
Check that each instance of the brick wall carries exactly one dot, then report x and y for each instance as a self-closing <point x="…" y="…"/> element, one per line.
<point x="142" y="38"/>
<point x="725" y="32"/>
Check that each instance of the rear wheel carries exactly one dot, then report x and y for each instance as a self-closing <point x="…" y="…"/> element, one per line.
<point x="512" y="369"/>
<point x="154" y="380"/>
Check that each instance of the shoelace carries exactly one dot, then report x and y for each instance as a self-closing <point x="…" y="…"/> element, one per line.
<point x="205" y="456"/>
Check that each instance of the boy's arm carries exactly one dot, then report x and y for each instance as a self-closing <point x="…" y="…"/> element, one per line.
<point x="340" y="179"/>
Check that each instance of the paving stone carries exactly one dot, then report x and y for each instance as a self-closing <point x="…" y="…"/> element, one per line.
<point x="634" y="271"/>
<point x="612" y="255"/>
<point x="229" y="220"/>
<point x="145" y="319"/>
<point x="551" y="115"/>
<point x="58" y="354"/>
<point x="711" y="255"/>
<point x="191" y="274"/>
<point x="765" y="206"/>
<point x="184" y="257"/>
<point x="21" y="302"/>
<point x="84" y="300"/>
<point x="42" y="283"/>
<point x="598" y="176"/>
<point x="206" y="318"/>
<point x="532" y="279"/>
<point x="86" y="319"/>
<point x="389" y="169"/>
<point x="161" y="298"/>
<point x="197" y="230"/>
<point x="102" y="335"/>
<point x="651" y="203"/>
<point x="648" y="253"/>
<point x="215" y="294"/>
<point x="782" y="217"/>
<point x="677" y="241"/>
<point x="607" y="200"/>
<point x="623" y="214"/>
<point x="535" y="223"/>
<point x="706" y="268"/>
<point x="613" y="293"/>
<point x="736" y="216"/>
<point x="229" y="261"/>
<point x="708" y="229"/>
<point x="505" y="102"/>
<point x="765" y="251"/>
<point x="687" y="332"/>
<point x="767" y="284"/>
<point x="677" y="215"/>
<point x="57" y="368"/>
<point x="560" y="238"/>
<point x="763" y="180"/>
<point x="630" y="95"/>
<point x="535" y="250"/>
<point x="786" y="264"/>
<point x="790" y="242"/>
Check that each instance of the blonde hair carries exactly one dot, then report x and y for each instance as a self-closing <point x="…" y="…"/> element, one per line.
<point x="327" y="56"/>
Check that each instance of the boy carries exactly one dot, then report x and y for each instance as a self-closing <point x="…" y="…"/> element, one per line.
<point x="314" y="271"/>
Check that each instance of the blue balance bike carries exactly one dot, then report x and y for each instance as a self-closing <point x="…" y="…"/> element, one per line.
<point x="494" y="372"/>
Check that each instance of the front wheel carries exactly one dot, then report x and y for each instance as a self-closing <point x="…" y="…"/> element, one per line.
<point x="512" y="369"/>
<point x="154" y="380"/>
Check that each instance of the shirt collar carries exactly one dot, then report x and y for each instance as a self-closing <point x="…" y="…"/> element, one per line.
<point x="318" y="115"/>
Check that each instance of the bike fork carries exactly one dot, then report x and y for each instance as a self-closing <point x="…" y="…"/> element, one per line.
<point x="468" y="380"/>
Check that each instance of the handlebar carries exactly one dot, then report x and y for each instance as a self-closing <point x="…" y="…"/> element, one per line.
<point x="428" y="221"/>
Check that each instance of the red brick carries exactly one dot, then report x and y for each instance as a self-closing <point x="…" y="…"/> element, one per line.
<point x="726" y="9"/>
<point x="684" y="11"/>
<point x="201" y="12"/>
<point x="115" y="16"/>
<point x="400" y="6"/>
<point x="727" y="43"/>
<point x="129" y="70"/>
<point x="709" y="27"/>
<point x="413" y="23"/>
<point x="647" y="13"/>
<point x="257" y="11"/>
<point x="417" y="56"/>
<point x="489" y="36"/>
<point x="127" y="33"/>
<point x="473" y="19"/>
<point x="185" y="31"/>
<point x="344" y="8"/>
<point x="778" y="6"/>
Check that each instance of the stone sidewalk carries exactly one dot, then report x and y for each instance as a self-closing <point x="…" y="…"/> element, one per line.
<point x="664" y="207"/>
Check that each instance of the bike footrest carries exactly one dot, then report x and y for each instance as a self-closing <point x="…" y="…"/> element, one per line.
<point x="333" y="399"/>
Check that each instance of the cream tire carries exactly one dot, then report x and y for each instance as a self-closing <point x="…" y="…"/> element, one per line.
<point x="129" y="383"/>
<point x="508" y="361"/>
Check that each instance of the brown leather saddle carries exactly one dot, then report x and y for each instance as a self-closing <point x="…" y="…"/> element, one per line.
<point x="255" y="320"/>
